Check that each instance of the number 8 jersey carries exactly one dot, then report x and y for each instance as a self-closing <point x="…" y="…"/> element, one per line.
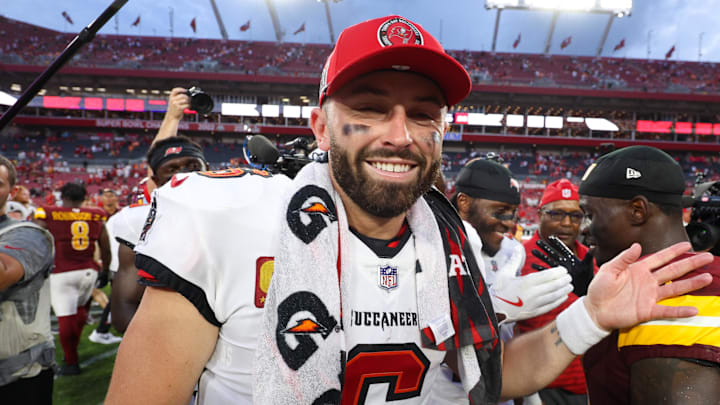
<point x="75" y="231"/>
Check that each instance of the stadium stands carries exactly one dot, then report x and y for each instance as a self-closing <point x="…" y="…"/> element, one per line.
<point x="26" y="44"/>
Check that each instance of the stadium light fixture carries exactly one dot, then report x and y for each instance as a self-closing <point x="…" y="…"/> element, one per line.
<point x="553" y="122"/>
<point x="6" y="99"/>
<point x="270" y="110"/>
<point x="42" y="92"/>
<point x="89" y="89"/>
<point x="291" y="111"/>
<point x="600" y="124"/>
<point x="76" y="88"/>
<point x="490" y="4"/>
<point x="514" y="120"/>
<point x="63" y="88"/>
<point x="535" y="121"/>
<point x="307" y="110"/>
<point x="101" y="89"/>
<point x="243" y="110"/>
<point x="16" y="87"/>
<point x="616" y="7"/>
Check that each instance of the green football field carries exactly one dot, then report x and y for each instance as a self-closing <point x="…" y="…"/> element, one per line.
<point x="96" y="362"/>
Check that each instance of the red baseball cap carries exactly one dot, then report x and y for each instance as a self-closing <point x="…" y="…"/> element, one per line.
<point x="393" y="43"/>
<point x="559" y="190"/>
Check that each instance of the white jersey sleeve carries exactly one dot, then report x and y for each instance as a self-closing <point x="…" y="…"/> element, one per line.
<point x="128" y="223"/>
<point x="212" y="237"/>
<point x="476" y="246"/>
<point x="210" y="232"/>
<point x="110" y="226"/>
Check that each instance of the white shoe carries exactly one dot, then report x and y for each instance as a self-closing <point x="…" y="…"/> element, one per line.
<point x="104" y="338"/>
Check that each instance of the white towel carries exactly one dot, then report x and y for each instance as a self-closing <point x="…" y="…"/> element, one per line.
<point x="300" y="355"/>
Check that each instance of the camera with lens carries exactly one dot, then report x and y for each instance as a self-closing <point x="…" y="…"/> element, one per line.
<point x="200" y="102"/>
<point x="704" y="226"/>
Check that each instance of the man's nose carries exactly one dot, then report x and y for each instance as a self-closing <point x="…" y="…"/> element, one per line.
<point x="398" y="134"/>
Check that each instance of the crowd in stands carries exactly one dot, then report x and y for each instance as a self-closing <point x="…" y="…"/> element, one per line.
<point x="45" y="163"/>
<point x="22" y="43"/>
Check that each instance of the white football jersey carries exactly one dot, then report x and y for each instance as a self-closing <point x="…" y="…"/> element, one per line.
<point x="385" y="360"/>
<point x="128" y="223"/>
<point x="215" y="234"/>
<point x="508" y="261"/>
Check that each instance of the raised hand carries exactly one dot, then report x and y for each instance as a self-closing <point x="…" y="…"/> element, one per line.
<point x="177" y="103"/>
<point x="626" y="292"/>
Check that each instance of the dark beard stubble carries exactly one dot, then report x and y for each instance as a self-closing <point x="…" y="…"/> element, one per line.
<point x="380" y="199"/>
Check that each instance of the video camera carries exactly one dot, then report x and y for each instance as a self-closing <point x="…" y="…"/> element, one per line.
<point x="259" y="151"/>
<point x="704" y="226"/>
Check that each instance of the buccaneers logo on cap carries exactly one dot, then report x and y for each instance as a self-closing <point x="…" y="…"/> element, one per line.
<point x="399" y="31"/>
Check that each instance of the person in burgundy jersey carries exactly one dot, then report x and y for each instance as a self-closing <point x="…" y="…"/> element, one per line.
<point x="634" y="195"/>
<point x="76" y="229"/>
<point x="560" y="215"/>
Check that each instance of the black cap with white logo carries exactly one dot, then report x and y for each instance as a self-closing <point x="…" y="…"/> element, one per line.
<point x="633" y="171"/>
<point x="489" y="180"/>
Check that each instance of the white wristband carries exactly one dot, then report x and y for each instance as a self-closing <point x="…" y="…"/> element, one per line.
<point x="577" y="330"/>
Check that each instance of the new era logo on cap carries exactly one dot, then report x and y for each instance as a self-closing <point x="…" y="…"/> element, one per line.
<point x="631" y="173"/>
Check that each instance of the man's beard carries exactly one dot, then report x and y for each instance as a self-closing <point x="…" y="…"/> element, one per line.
<point x="382" y="199"/>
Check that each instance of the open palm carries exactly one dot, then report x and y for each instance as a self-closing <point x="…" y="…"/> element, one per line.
<point x="625" y="291"/>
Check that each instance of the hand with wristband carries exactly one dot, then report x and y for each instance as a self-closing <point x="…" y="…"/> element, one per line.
<point x="626" y="292"/>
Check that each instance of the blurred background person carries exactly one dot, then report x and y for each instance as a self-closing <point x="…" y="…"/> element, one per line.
<point x="27" y="348"/>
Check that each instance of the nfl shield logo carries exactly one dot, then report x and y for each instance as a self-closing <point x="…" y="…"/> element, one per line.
<point x="388" y="277"/>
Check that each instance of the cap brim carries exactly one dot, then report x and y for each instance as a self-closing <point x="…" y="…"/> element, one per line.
<point x="441" y="68"/>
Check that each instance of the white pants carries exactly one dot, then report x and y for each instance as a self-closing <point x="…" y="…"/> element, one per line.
<point x="70" y="290"/>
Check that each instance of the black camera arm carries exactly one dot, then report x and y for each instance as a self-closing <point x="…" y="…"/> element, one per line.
<point x="86" y="35"/>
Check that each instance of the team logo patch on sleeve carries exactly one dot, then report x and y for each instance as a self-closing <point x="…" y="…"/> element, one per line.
<point x="388" y="277"/>
<point x="264" y="267"/>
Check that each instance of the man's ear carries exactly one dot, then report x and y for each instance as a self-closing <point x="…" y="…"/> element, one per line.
<point x="638" y="207"/>
<point x="319" y="126"/>
<point x="463" y="204"/>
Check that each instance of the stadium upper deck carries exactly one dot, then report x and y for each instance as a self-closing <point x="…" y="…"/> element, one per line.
<point x="26" y="44"/>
